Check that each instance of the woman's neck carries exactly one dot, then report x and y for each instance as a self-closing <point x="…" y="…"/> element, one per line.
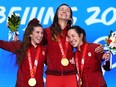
<point x="63" y="24"/>
<point x="79" y="46"/>
<point x="35" y="45"/>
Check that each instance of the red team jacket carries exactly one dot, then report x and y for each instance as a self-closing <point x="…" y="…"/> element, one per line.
<point x="92" y="75"/>
<point x="54" y="56"/>
<point x="23" y="71"/>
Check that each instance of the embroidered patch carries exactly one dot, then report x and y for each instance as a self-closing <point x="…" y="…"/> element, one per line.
<point x="43" y="52"/>
<point x="89" y="54"/>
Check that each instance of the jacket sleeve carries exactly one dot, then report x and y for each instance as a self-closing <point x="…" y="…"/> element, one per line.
<point x="107" y="65"/>
<point x="10" y="46"/>
<point x="99" y="54"/>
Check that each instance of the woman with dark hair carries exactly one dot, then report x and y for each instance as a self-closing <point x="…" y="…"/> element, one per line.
<point x="88" y="62"/>
<point x="61" y="71"/>
<point x="30" y="55"/>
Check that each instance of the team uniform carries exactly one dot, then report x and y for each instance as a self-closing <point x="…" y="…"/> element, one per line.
<point x="92" y="74"/>
<point x="57" y="74"/>
<point x="23" y="75"/>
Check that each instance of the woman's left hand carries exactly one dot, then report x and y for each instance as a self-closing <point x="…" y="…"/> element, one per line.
<point x="106" y="56"/>
<point x="100" y="49"/>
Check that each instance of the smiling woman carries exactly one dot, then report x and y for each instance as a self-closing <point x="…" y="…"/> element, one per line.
<point x="60" y="72"/>
<point x="97" y="17"/>
<point x="88" y="62"/>
<point x="30" y="55"/>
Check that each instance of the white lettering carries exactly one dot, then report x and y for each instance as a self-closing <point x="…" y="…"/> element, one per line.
<point x="25" y="15"/>
<point x="14" y="9"/>
<point x="111" y="9"/>
<point x="2" y="13"/>
<point x="33" y="13"/>
<point x="74" y="18"/>
<point x="40" y="16"/>
<point x="94" y="18"/>
<point x="49" y="14"/>
<point x="30" y="13"/>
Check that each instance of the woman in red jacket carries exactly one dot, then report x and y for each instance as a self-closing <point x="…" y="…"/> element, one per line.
<point x="30" y="55"/>
<point x="61" y="72"/>
<point x="88" y="62"/>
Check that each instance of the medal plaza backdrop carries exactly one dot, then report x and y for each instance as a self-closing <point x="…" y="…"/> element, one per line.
<point x="97" y="17"/>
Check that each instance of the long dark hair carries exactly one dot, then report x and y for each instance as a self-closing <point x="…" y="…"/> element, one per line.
<point x="55" y="28"/>
<point x="26" y="40"/>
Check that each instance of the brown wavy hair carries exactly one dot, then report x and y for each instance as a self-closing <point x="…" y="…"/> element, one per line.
<point x="55" y="28"/>
<point x="26" y="40"/>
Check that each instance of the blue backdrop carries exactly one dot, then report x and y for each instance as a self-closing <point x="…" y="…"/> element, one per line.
<point x="97" y="17"/>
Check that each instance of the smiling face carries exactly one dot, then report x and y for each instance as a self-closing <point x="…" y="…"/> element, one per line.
<point x="64" y="13"/>
<point x="37" y="35"/>
<point x="74" y="38"/>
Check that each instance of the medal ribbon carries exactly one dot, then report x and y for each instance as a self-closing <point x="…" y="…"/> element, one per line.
<point x="34" y="68"/>
<point x="64" y="53"/>
<point x="82" y="62"/>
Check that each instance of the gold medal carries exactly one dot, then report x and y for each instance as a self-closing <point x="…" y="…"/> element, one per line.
<point x="64" y="61"/>
<point x="32" y="81"/>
